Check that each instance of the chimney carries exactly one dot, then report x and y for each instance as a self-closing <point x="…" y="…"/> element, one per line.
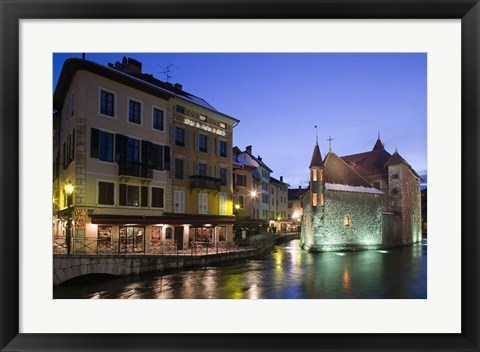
<point x="299" y="187"/>
<point x="178" y="86"/>
<point x="259" y="158"/>
<point x="281" y="178"/>
<point x="249" y="149"/>
<point x="130" y="66"/>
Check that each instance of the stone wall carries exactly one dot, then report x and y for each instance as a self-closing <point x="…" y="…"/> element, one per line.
<point x="325" y="227"/>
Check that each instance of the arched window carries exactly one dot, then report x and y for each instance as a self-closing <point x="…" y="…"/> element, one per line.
<point x="346" y="220"/>
<point x="168" y="233"/>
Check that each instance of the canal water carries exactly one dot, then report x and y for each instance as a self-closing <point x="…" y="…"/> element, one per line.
<point x="287" y="272"/>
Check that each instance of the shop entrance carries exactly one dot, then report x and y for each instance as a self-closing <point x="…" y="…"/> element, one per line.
<point x="178" y="235"/>
<point x="131" y="239"/>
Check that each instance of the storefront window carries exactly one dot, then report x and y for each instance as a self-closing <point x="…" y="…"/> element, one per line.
<point x="201" y="236"/>
<point x="131" y="239"/>
<point x="104" y="239"/>
<point x="168" y="233"/>
<point x="222" y="233"/>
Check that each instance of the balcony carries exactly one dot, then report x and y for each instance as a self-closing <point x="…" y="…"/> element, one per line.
<point x="135" y="169"/>
<point x="205" y="182"/>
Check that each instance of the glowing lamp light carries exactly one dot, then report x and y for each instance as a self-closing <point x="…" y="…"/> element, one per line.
<point x="278" y="218"/>
<point x="69" y="188"/>
<point x="237" y="206"/>
<point x="253" y="193"/>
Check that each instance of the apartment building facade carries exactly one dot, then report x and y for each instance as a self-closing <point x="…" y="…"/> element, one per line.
<point x="114" y="142"/>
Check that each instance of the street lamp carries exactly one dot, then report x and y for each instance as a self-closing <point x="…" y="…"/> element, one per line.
<point x="69" y="191"/>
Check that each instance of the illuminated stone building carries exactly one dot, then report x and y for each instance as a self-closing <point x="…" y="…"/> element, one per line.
<point x="149" y="162"/>
<point x="362" y="201"/>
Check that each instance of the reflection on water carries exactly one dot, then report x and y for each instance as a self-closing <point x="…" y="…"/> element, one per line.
<point x="287" y="272"/>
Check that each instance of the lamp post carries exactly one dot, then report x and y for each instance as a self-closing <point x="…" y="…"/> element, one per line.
<point x="69" y="191"/>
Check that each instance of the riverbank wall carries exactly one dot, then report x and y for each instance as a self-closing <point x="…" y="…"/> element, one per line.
<point x="66" y="267"/>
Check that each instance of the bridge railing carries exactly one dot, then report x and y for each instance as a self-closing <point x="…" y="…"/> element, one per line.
<point x="92" y="245"/>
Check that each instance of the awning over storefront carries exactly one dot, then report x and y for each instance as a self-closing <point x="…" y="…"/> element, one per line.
<point x="174" y="219"/>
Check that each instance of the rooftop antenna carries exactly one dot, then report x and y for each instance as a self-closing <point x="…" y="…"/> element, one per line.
<point x="316" y="135"/>
<point x="330" y="139"/>
<point x="378" y="134"/>
<point x="167" y="70"/>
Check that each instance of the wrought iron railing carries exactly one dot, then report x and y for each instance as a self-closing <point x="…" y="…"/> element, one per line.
<point x="136" y="169"/>
<point x="103" y="246"/>
<point x="205" y="182"/>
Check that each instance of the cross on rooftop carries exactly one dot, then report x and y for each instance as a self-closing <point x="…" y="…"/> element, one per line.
<point x="330" y="139"/>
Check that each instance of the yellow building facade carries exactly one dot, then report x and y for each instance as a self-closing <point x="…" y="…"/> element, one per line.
<point x="112" y="141"/>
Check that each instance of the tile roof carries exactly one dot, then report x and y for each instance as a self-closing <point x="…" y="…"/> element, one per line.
<point x="369" y="163"/>
<point x="316" y="157"/>
<point x="296" y="193"/>
<point x="339" y="172"/>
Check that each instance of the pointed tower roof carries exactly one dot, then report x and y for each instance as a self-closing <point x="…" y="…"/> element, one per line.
<point x="316" y="157"/>
<point x="378" y="145"/>
<point x="397" y="159"/>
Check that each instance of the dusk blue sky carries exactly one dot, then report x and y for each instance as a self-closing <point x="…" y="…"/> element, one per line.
<point x="279" y="98"/>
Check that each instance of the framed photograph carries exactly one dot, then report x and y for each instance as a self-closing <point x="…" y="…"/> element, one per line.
<point x="188" y="191"/>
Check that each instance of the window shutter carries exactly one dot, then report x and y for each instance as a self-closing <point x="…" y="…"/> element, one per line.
<point x="120" y="148"/>
<point x="94" y="143"/>
<point x="217" y="146"/>
<point x="196" y="140"/>
<point x="166" y="158"/>
<point x="187" y="137"/>
<point x="187" y="169"/>
<point x="172" y="169"/>
<point x="144" y="196"/>
<point x="72" y="156"/>
<point x="64" y="155"/>
<point x="210" y="147"/>
<point x="123" y="193"/>
<point x="172" y="134"/>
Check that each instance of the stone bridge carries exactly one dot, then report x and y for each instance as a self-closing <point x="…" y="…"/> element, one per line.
<point x="69" y="266"/>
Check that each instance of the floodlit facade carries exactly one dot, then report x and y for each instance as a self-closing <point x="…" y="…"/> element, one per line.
<point x="362" y="201"/>
<point x="116" y="140"/>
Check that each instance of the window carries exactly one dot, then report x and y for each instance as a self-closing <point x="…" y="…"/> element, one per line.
<point x="157" y="197"/>
<point x="179" y="202"/>
<point x="106" y="103"/>
<point x="158" y="119"/>
<point x="321" y="174"/>
<point x="222" y="146"/>
<point x="241" y="201"/>
<point x="202" y="169"/>
<point x="346" y="220"/>
<point x="202" y="143"/>
<point x="178" y="169"/>
<point x="134" y="112"/>
<point x="264" y="198"/>
<point x="168" y="233"/>
<point x="69" y="149"/>
<point x="289" y="205"/>
<point x="203" y="203"/>
<point x="104" y="235"/>
<point x="222" y="232"/>
<point x="133" y="196"/>
<point x="322" y="200"/>
<point x="241" y="180"/>
<point x="180" y="136"/>
<point x="106" y="193"/>
<point x="101" y="145"/>
<point x="152" y="155"/>
<point x="314" y="174"/>
<point x="222" y="172"/>
<point x="180" y="109"/>
<point x="131" y="239"/>
<point x="222" y="205"/>
<point x="314" y="199"/>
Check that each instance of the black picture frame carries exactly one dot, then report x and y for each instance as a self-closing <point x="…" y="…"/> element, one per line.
<point x="13" y="11"/>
